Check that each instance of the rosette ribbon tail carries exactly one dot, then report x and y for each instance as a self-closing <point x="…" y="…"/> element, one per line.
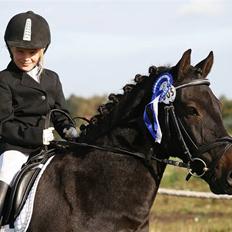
<point x="152" y="124"/>
<point x="162" y="91"/>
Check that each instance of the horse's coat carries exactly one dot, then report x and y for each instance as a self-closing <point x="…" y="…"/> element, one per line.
<point x="90" y="190"/>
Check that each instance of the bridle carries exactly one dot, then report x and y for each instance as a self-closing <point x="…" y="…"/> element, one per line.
<point x="181" y="133"/>
<point x="184" y="138"/>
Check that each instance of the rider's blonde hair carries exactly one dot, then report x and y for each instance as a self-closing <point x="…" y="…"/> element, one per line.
<point x="41" y="61"/>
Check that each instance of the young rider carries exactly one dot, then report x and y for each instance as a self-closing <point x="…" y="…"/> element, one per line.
<point x="28" y="92"/>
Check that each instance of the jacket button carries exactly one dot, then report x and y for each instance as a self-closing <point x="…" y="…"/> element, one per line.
<point x="43" y="97"/>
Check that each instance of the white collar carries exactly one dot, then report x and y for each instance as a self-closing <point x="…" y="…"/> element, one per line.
<point x="35" y="73"/>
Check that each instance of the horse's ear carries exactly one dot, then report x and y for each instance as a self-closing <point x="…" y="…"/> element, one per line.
<point x="206" y="64"/>
<point x="182" y="66"/>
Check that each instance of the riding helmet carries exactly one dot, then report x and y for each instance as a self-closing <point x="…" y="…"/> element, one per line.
<point x="27" y="30"/>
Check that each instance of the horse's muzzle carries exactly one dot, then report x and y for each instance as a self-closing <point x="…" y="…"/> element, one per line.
<point x="221" y="183"/>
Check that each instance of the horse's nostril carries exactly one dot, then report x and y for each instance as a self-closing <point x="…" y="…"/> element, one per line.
<point x="229" y="178"/>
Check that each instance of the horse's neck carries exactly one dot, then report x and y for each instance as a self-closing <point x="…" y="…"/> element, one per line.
<point x="124" y="137"/>
<point x="124" y="128"/>
<point x="134" y="140"/>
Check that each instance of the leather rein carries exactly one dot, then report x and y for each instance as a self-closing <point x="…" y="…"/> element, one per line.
<point x="182" y="136"/>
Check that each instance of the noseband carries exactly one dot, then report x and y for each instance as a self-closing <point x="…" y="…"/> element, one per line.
<point x="183" y="136"/>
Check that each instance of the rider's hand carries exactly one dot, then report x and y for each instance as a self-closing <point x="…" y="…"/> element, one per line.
<point x="70" y="133"/>
<point x="48" y="135"/>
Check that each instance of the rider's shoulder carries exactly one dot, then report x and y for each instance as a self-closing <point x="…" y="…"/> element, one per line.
<point x="4" y="74"/>
<point x="50" y="73"/>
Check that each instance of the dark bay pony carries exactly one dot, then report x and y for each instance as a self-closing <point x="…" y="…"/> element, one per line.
<point x="105" y="190"/>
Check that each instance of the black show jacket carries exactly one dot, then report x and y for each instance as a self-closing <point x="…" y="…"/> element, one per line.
<point x="24" y="104"/>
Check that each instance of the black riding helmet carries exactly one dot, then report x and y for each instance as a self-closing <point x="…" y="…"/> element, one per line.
<point x="27" y="30"/>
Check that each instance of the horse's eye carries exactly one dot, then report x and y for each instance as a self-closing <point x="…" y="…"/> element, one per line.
<point x="192" y="111"/>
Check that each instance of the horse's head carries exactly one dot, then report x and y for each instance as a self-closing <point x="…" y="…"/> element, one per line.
<point x="197" y="131"/>
<point x="186" y="122"/>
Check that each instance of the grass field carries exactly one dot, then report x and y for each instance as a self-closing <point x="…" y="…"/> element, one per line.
<point x="178" y="214"/>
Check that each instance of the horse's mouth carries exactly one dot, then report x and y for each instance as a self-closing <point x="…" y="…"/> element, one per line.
<point x="222" y="186"/>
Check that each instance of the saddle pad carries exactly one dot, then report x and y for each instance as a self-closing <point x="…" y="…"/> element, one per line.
<point x="23" y="220"/>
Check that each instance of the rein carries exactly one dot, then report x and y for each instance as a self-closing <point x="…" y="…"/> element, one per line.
<point x="119" y="151"/>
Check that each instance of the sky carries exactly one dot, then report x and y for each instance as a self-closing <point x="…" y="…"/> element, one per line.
<point x="100" y="45"/>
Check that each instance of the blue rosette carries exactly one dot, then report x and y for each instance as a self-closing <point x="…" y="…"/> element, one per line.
<point x="162" y="91"/>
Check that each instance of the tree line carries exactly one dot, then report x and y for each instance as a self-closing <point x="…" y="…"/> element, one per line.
<point x="227" y="112"/>
<point x="87" y="107"/>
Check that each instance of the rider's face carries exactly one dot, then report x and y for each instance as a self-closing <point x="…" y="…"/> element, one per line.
<point x="26" y="59"/>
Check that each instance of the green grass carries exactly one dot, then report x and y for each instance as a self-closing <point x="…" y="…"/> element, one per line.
<point x="180" y="214"/>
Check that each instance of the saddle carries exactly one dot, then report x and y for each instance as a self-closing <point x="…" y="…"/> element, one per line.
<point x="22" y="185"/>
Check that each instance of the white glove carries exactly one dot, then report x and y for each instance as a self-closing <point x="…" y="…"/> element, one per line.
<point x="48" y="135"/>
<point x="70" y="133"/>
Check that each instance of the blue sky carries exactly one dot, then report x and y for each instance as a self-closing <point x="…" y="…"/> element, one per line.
<point x="98" y="46"/>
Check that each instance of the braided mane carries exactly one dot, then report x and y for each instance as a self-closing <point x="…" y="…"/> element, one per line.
<point x="101" y="122"/>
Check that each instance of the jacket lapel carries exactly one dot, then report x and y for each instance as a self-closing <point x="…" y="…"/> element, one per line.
<point x="30" y="82"/>
<point x="26" y="80"/>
